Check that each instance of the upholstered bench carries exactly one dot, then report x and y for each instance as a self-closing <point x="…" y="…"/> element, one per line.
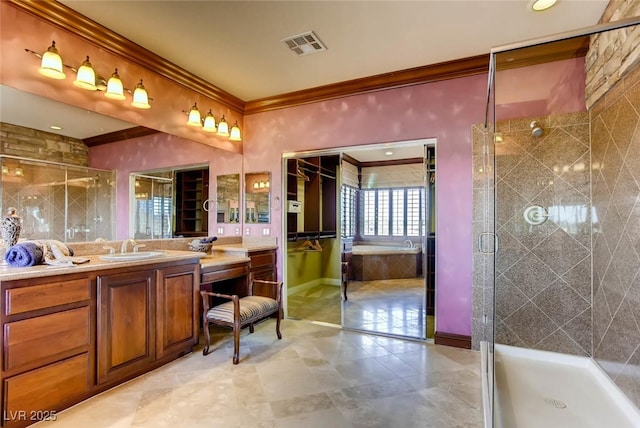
<point x="264" y="299"/>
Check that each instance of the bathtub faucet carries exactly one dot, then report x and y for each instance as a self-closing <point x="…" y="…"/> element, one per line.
<point x="409" y="243"/>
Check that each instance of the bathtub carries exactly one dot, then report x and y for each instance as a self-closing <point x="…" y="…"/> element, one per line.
<point x="546" y="389"/>
<point x="373" y="250"/>
<point x="376" y="262"/>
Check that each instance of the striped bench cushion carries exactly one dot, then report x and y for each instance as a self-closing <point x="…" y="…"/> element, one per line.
<point x="250" y="307"/>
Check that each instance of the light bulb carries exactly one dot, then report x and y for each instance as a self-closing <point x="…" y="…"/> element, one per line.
<point x="140" y="97"/>
<point x="235" y="132"/>
<point x="194" y="116"/>
<point x="115" y="90"/>
<point x="209" y="122"/>
<point x="51" y="65"/>
<point x="223" y="127"/>
<point x="86" y="78"/>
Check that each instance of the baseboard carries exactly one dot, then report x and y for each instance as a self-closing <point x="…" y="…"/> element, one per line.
<point x="291" y="291"/>
<point x="450" y="339"/>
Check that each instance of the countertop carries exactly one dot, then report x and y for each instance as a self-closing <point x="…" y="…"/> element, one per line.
<point x="245" y="248"/>
<point x="8" y="273"/>
<point x="212" y="260"/>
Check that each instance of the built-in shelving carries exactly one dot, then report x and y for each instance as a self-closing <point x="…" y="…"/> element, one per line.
<point x="313" y="182"/>
<point x="192" y="189"/>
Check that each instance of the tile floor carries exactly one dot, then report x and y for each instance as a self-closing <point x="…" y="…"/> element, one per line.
<point x="391" y="306"/>
<point x="316" y="376"/>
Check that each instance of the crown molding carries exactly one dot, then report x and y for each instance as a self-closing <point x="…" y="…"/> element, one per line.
<point x="66" y="18"/>
<point x="414" y="76"/>
<point x="69" y="20"/>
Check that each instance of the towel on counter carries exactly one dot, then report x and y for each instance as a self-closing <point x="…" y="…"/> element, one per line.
<point x="55" y="253"/>
<point x="24" y="254"/>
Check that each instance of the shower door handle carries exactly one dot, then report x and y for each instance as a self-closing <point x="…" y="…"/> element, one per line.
<point x="481" y="242"/>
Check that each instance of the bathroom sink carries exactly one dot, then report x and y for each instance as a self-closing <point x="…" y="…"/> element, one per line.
<point x="123" y="257"/>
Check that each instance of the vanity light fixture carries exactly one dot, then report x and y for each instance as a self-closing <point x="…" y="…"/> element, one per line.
<point x="223" y="127"/>
<point x="140" y="97"/>
<point x="209" y="122"/>
<point x="51" y="65"/>
<point x="235" y="133"/>
<point x="86" y="77"/>
<point x="115" y="89"/>
<point x="194" y="116"/>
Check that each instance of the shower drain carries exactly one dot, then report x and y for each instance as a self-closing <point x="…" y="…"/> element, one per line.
<point x="555" y="403"/>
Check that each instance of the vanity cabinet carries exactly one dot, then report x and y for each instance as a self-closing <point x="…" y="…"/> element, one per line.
<point x="48" y="339"/>
<point x="177" y="309"/>
<point x="68" y="337"/>
<point x="312" y="184"/>
<point x="263" y="265"/>
<point x="126" y="327"/>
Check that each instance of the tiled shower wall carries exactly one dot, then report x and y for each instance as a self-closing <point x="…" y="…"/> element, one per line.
<point x="543" y="272"/>
<point x="615" y="121"/>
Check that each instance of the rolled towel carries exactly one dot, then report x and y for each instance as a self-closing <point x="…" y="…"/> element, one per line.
<point x="54" y="252"/>
<point x="24" y="254"/>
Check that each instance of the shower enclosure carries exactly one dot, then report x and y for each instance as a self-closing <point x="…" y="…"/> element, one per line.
<point x="556" y="221"/>
<point x="68" y="203"/>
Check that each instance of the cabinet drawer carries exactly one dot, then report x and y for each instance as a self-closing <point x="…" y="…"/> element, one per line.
<point x="46" y="389"/>
<point x="46" y="338"/>
<point x="25" y="299"/>
<point x="220" y="275"/>
<point x="267" y="259"/>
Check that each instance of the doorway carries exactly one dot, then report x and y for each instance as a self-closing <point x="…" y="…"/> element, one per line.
<point x="376" y="271"/>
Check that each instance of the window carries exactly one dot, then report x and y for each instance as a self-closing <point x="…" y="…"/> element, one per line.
<point x="393" y="212"/>
<point x="348" y="211"/>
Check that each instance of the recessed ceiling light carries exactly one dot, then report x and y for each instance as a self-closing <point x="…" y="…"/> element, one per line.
<point x="540" y="5"/>
<point x="388" y="153"/>
<point x="56" y="127"/>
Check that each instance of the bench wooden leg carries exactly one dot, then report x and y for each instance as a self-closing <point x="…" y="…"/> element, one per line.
<point x="236" y="343"/>
<point x="278" y="327"/>
<point x="207" y="338"/>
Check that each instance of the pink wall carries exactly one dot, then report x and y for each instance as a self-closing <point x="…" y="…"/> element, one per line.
<point x="443" y="110"/>
<point x="540" y="90"/>
<point x="155" y="152"/>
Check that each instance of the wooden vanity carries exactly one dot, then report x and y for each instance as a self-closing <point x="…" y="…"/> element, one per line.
<point x="70" y="333"/>
<point x="262" y="258"/>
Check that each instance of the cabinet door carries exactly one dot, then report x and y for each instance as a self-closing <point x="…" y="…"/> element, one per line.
<point x="126" y="324"/>
<point x="177" y="309"/>
<point x="263" y="265"/>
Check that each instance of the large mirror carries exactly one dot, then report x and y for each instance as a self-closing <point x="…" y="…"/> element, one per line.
<point x="228" y="198"/>
<point x="257" y="187"/>
<point x="170" y="202"/>
<point x="153" y="210"/>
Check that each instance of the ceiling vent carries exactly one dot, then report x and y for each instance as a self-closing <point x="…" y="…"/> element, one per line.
<point x="304" y="44"/>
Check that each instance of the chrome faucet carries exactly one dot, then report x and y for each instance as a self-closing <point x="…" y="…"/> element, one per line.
<point x="123" y="247"/>
<point x="409" y="243"/>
